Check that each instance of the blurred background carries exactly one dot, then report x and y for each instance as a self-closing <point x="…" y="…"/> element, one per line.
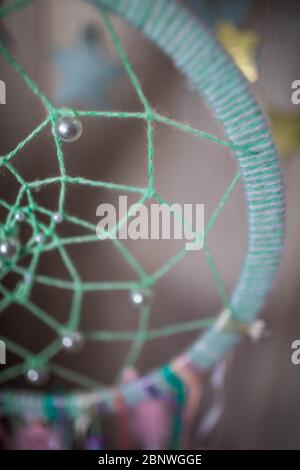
<point x="49" y="39"/>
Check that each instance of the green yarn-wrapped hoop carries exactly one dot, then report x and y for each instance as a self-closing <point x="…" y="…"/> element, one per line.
<point x="197" y="54"/>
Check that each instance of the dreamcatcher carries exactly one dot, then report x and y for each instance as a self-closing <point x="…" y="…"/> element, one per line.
<point x="173" y="390"/>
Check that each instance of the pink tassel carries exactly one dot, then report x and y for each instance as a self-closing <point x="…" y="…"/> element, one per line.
<point x="33" y="436"/>
<point x="150" y="424"/>
<point x="150" y="420"/>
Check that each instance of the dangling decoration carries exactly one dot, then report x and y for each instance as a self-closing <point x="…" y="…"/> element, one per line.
<point x="179" y="401"/>
<point x="193" y="383"/>
<point x="85" y="71"/>
<point x="94" y="439"/>
<point x="81" y="427"/>
<point x="242" y="45"/>
<point x="214" y="414"/>
<point x="149" y="421"/>
<point x="87" y="430"/>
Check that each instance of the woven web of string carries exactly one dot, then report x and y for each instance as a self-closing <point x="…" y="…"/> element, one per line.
<point x="52" y="240"/>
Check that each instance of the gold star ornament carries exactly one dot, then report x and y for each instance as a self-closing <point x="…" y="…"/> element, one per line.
<point x="242" y="45"/>
<point x="286" y="130"/>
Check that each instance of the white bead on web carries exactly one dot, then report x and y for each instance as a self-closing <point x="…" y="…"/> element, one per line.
<point x="57" y="218"/>
<point x="73" y="342"/>
<point x="141" y="297"/>
<point x="27" y="278"/>
<point x="19" y="216"/>
<point x="37" y="376"/>
<point x="9" y="248"/>
<point x="68" y="129"/>
<point x="39" y="238"/>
